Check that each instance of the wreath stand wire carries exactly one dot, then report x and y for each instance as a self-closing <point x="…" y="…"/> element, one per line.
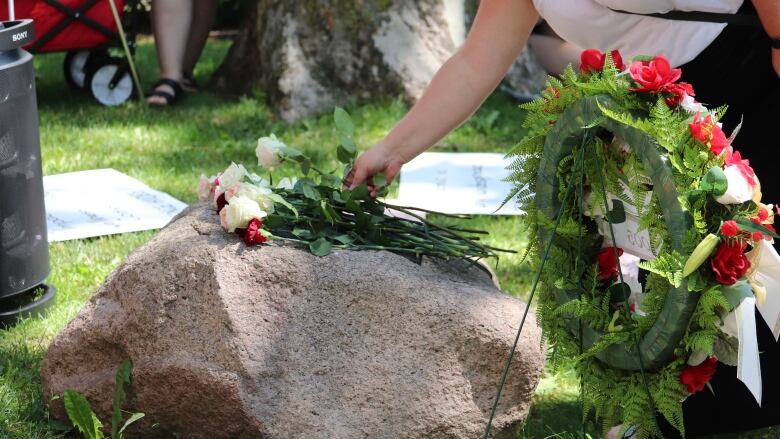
<point x="578" y="171"/>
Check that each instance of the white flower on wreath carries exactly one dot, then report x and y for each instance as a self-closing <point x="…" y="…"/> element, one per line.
<point x="690" y="104"/>
<point x="239" y="213"/>
<point x="232" y="176"/>
<point x="739" y="189"/>
<point x="269" y="151"/>
<point x="259" y="194"/>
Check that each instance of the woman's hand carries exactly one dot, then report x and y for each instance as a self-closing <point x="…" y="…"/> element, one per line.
<point x="380" y="158"/>
<point x="500" y="29"/>
<point x="776" y="60"/>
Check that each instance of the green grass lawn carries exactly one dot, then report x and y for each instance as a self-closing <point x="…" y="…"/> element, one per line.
<point x="169" y="149"/>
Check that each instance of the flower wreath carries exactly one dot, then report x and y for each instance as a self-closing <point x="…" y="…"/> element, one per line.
<point x="624" y="174"/>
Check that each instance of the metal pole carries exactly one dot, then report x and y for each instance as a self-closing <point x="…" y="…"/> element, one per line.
<point x="128" y="54"/>
<point x="11" y="11"/>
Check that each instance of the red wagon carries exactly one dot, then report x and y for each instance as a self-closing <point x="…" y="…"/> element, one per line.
<point x="85" y="29"/>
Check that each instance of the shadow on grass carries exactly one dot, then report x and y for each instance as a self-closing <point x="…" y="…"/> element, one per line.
<point x="553" y="419"/>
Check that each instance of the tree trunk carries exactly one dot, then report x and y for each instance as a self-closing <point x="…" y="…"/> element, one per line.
<point x="310" y="55"/>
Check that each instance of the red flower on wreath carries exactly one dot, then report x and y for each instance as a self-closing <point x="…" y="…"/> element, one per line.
<point x="729" y="229"/>
<point x="252" y="234"/>
<point x="729" y="262"/>
<point x="655" y="75"/>
<point x="608" y="263"/>
<point x="592" y="60"/>
<point x="709" y="133"/>
<point x="696" y="377"/>
<point x="678" y="91"/>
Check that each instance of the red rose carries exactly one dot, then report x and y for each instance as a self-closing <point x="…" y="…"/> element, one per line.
<point x="709" y="133"/>
<point x="221" y="202"/>
<point x="608" y="263"/>
<point x="592" y="61"/>
<point x="655" y="75"/>
<point x="618" y="60"/>
<point x="696" y="377"/>
<point x="252" y="235"/>
<point x="735" y="159"/>
<point x="730" y="263"/>
<point x="729" y="229"/>
<point x="679" y="91"/>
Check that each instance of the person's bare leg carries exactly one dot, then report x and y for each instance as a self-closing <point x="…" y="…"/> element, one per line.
<point x="171" y="21"/>
<point x="203" y="15"/>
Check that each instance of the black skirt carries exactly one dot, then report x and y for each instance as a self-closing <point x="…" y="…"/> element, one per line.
<point x="736" y="70"/>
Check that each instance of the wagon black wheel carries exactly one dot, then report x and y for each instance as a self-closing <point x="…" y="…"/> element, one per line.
<point x="78" y="62"/>
<point x="110" y="82"/>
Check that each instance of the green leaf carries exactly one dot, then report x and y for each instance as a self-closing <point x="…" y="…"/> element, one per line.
<point x="618" y="292"/>
<point x="309" y="190"/>
<point x="338" y="197"/>
<point x="750" y="226"/>
<point x="348" y="144"/>
<point x="642" y="58"/>
<point x="305" y="166"/>
<point x="353" y="207"/>
<point x="344" y="239"/>
<point x="618" y="213"/>
<point x="330" y="181"/>
<point x="135" y="417"/>
<point x="343" y="121"/>
<point x="276" y="198"/>
<point x="80" y="413"/>
<point x="290" y="153"/>
<point x="303" y="233"/>
<point x="715" y="182"/>
<point x="320" y="247"/>
<point x="274" y="221"/>
<point x="359" y="193"/>
<point x="122" y="378"/>
<point x="329" y="212"/>
<point x="736" y="292"/>
<point x="344" y="155"/>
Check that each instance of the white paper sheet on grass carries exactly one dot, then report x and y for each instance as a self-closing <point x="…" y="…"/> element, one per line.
<point x="457" y="183"/>
<point x="103" y="202"/>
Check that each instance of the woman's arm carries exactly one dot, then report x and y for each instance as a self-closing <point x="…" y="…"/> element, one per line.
<point x="497" y="36"/>
<point x="769" y="13"/>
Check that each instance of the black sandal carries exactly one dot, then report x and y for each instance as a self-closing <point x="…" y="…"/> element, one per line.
<point x="170" y="98"/>
<point x="189" y="84"/>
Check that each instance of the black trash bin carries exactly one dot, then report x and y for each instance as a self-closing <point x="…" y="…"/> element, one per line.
<point x="24" y="251"/>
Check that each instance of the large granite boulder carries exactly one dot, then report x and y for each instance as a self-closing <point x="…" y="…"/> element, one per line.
<point x="273" y="342"/>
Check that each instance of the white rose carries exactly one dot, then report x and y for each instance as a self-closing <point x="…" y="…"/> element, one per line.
<point x="232" y="176"/>
<point x="253" y="192"/>
<point x="205" y="186"/>
<point x="690" y="104"/>
<point x="739" y="189"/>
<point x="268" y="150"/>
<point x="239" y="213"/>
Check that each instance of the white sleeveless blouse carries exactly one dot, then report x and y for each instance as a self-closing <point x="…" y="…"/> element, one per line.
<point x="593" y="24"/>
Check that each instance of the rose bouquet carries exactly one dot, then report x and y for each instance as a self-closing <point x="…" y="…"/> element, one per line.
<point x="625" y="176"/>
<point x="316" y="211"/>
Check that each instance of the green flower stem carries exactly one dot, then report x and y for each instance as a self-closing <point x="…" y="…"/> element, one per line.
<point x="407" y="209"/>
